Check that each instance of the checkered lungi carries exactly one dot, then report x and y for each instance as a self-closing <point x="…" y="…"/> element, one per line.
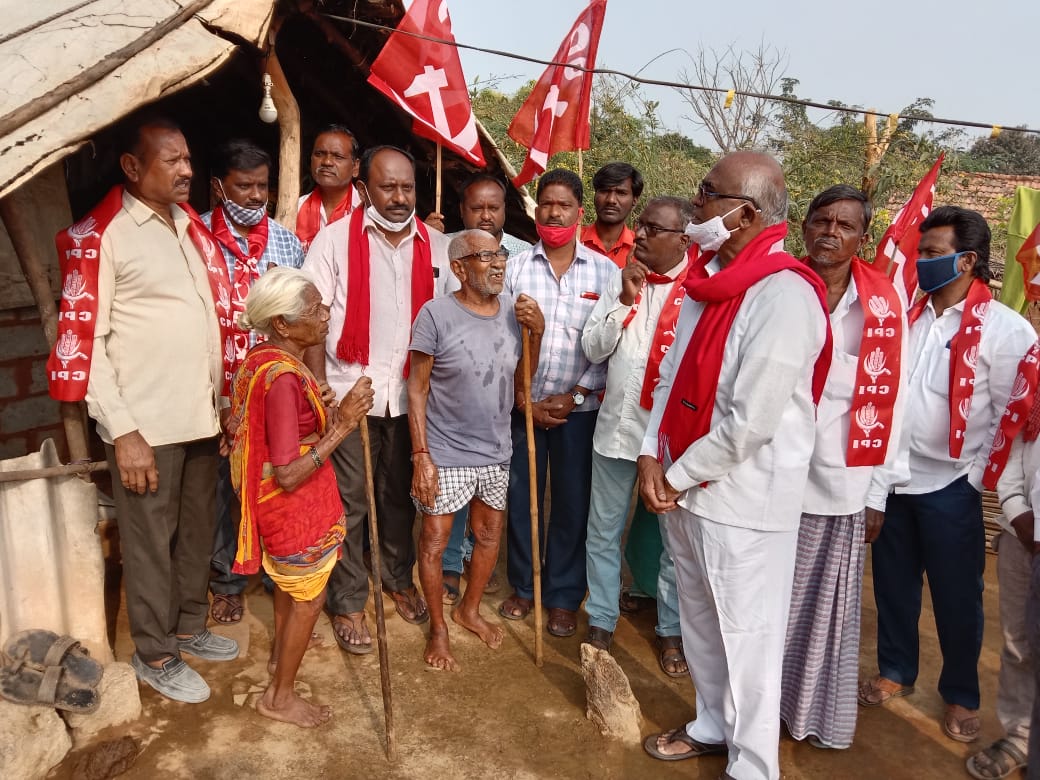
<point x="460" y="484"/>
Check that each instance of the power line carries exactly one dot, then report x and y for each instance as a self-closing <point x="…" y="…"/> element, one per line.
<point x="997" y="128"/>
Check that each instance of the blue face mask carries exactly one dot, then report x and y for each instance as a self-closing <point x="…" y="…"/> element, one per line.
<point x="936" y="272"/>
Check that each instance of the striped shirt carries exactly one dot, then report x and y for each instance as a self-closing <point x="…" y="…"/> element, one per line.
<point x="566" y="304"/>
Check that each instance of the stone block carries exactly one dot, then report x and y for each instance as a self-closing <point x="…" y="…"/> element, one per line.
<point x="19" y="341"/>
<point x="8" y="381"/>
<point x="38" y="377"/>
<point x="610" y="703"/>
<point x="120" y="703"/>
<point x="33" y="740"/>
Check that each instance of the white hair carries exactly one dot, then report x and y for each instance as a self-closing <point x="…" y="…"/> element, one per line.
<point x="278" y="293"/>
<point x="465" y="241"/>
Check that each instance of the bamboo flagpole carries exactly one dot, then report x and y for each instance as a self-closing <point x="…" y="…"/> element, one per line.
<point x="377" y="582"/>
<point x="532" y="478"/>
<point x="437" y="196"/>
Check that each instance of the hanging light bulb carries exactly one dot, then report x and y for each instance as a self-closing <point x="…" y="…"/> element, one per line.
<point x="268" y="112"/>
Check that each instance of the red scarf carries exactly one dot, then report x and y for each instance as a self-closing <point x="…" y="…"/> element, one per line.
<point x="247" y="271"/>
<point x="353" y="342"/>
<point x="1022" y="412"/>
<point x="664" y="332"/>
<point x="687" y="415"/>
<point x="964" y="356"/>
<point x="877" y="378"/>
<point x="79" y="252"/>
<point x="308" y="220"/>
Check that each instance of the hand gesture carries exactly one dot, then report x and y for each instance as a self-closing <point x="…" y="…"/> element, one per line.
<point x="435" y="220"/>
<point x="632" y="277"/>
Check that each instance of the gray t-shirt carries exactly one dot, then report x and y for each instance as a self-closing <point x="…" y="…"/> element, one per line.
<point x="471" y="385"/>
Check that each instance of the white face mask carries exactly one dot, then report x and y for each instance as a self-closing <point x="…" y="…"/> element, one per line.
<point x="713" y="233"/>
<point x="241" y="215"/>
<point x="387" y="225"/>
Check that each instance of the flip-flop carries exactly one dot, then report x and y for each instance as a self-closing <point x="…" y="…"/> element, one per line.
<point x="234" y="605"/>
<point x="515" y="607"/>
<point x="871" y="694"/>
<point x="43" y="648"/>
<point x="958" y="729"/>
<point x="354" y="630"/>
<point x="696" y="750"/>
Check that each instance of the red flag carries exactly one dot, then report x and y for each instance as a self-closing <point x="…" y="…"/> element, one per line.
<point x="425" y="79"/>
<point x="555" y="118"/>
<point x="897" y="250"/>
<point x="1028" y="256"/>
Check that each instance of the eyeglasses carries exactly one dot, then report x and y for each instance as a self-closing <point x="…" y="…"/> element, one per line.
<point x="487" y="256"/>
<point x="651" y="229"/>
<point x="707" y="194"/>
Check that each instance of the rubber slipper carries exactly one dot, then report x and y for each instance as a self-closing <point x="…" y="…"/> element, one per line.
<point x="353" y="630"/>
<point x="997" y="761"/>
<point x="696" y="750"/>
<point x="45" y="648"/>
<point x="25" y="682"/>
<point x="961" y="729"/>
<point x="515" y="608"/>
<point x="871" y="694"/>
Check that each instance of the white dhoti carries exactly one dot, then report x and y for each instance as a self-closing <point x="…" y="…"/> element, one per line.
<point x="734" y="595"/>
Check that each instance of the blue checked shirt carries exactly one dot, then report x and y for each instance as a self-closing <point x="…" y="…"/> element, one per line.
<point x="283" y="248"/>
<point x="566" y="304"/>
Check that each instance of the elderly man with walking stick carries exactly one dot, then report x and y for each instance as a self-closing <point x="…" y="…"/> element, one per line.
<point x="464" y="354"/>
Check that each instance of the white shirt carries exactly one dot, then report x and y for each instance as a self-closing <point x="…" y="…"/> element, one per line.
<point x="1006" y="336"/>
<point x="390" y="283"/>
<point x="622" y="421"/>
<point x="833" y="487"/>
<point x="755" y="456"/>
<point x="1018" y="487"/>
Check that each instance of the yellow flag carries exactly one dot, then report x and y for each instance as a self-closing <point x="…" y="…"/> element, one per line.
<point x="1022" y="262"/>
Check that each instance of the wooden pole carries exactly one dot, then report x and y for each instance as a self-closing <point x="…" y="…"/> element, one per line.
<point x="16" y="209"/>
<point x="288" y="143"/>
<point x="377" y="582"/>
<point x="73" y="469"/>
<point x="581" y="165"/>
<point x="532" y="477"/>
<point x="437" y="197"/>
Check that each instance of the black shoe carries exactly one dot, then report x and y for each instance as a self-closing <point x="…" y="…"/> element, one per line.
<point x="599" y="638"/>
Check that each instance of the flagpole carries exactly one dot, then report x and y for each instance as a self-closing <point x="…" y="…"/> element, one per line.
<point x="581" y="166"/>
<point x="437" y="197"/>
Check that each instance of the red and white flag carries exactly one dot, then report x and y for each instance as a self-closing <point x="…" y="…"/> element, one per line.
<point x="897" y="250"/>
<point x="425" y="79"/>
<point x="1028" y="256"/>
<point x="555" y="118"/>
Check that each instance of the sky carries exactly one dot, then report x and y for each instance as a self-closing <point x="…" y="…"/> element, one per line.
<point x="977" y="61"/>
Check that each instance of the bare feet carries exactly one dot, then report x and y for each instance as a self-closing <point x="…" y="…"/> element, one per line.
<point x="293" y="710"/>
<point x="314" y="641"/>
<point x="437" y="653"/>
<point x="491" y="635"/>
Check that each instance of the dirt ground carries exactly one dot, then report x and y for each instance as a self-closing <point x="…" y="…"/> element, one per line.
<point x="501" y="716"/>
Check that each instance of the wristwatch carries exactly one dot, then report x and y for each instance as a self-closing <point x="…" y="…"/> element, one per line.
<point x="578" y="397"/>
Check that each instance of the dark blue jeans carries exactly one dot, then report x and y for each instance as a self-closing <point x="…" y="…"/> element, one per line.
<point x="941" y="534"/>
<point x="565" y="452"/>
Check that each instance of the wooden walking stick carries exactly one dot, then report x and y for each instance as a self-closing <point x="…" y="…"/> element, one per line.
<point x="532" y="478"/>
<point x="377" y="577"/>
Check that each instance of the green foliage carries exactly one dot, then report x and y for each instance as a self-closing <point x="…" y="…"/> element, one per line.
<point x="1009" y="152"/>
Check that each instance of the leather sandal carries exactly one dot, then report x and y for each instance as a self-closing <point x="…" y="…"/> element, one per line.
<point x="562" y="622"/>
<point x="515" y="607"/>
<point x="599" y="638"/>
<point x="670" y="651"/>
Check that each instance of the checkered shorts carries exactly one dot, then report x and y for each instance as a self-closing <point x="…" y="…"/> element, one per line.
<point x="460" y="484"/>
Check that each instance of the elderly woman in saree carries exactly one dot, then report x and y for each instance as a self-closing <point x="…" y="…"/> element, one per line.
<point x="284" y="431"/>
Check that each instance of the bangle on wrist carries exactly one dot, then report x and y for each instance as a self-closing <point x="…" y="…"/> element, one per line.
<point x="419" y="452"/>
<point x="315" y="457"/>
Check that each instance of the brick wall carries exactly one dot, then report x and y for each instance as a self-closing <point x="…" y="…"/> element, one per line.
<point x="27" y="414"/>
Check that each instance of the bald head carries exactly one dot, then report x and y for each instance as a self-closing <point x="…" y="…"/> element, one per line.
<point x="757" y="176"/>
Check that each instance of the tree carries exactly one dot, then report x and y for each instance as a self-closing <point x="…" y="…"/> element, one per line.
<point x="1009" y="152"/>
<point x="744" y="124"/>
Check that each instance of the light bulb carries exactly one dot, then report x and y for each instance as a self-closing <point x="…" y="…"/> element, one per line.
<point x="268" y="112"/>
